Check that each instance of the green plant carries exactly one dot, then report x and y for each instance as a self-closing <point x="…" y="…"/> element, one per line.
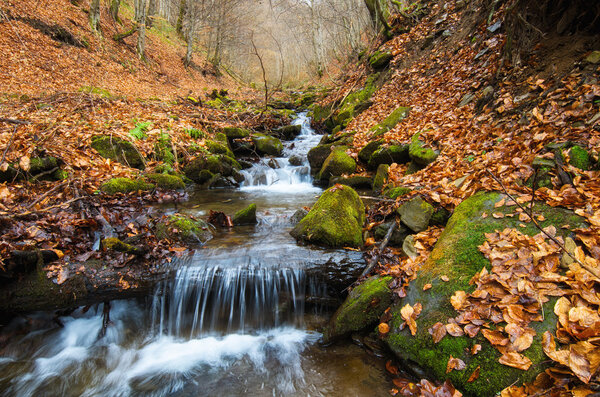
<point x="140" y="129"/>
<point x="195" y="133"/>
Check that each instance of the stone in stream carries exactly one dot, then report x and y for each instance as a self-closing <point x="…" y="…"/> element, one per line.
<point x="267" y="145"/>
<point x="298" y="216"/>
<point x="335" y="220"/>
<point x="288" y="132"/>
<point x="295" y="160"/>
<point x="202" y="168"/>
<point x="246" y="216"/>
<point x="317" y="155"/>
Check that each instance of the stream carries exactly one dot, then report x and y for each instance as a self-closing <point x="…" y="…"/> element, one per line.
<point x="238" y="316"/>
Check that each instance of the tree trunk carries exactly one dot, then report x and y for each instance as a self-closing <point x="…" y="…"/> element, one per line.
<point x="151" y="13"/>
<point x="114" y="10"/>
<point x="379" y="14"/>
<point x="95" y="16"/>
<point x="179" y="24"/>
<point x="141" y="21"/>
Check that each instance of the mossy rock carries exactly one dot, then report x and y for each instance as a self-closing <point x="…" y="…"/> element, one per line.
<point x="419" y="154"/>
<point x="335" y="220"/>
<point x="202" y="168"/>
<point x="388" y="155"/>
<point x="440" y="217"/>
<point x="380" y="59"/>
<point x="416" y="214"/>
<point x="288" y="132"/>
<point x="362" y="308"/>
<point x="456" y="255"/>
<point x="391" y="121"/>
<point x="37" y="165"/>
<point x="215" y="147"/>
<point x="117" y="149"/>
<point x="381" y="177"/>
<point x="267" y="145"/>
<point x="125" y="185"/>
<point x="355" y="182"/>
<point x="367" y="151"/>
<point x="396" y="192"/>
<point x="579" y="158"/>
<point x="185" y="229"/>
<point x="345" y="139"/>
<point x="317" y="156"/>
<point x="166" y="181"/>
<point x="296" y="160"/>
<point x="114" y="244"/>
<point x="236" y="132"/>
<point x="320" y="112"/>
<point x="336" y="164"/>
<point x="246" y="216"/>
<point x="397" y="237"/>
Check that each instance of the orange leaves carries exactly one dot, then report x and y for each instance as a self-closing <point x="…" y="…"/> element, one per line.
<point x="515" y="360"/>
<point x="437" y="331"/>
<point x="458" y="300"/>
<point x="455" y="364"/>
<point x="409" y="315"/>
<point x="583" y="358"/>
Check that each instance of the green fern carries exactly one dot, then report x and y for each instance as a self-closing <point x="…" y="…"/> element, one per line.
<point x="140" y="129"/>
<point x="195" y="133"/>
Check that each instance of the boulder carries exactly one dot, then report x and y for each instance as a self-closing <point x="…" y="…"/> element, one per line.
<point x="361" y="309"/>
<point x="336" y="164"/>
<point x="335" y="220"/>
<point x="367" y="151"/>
<point x="456" y="258"/>
<point x="219" y="147"/>
<point x="380" y="59"/>
<point x="396" y="192"/>
<point x="288" y="132"/>
<point x="184" y="228"/>
<point x="419" y="154"/>
<point x="317" y="155"/>
<point x="267" y="145"/>
<point x="125" y="185"/>
<point x="117" y="149"/>
<point x="236" y="132"/>
<point x="298" y="216"/>
<point x="381" y="177"/>
<point x="202" y="168"/>
<point x="355" y="182"/>
<point x="391" y="121"/>
<point x="416" y="214"/>
<point x="166" y="181"/>
<point x="246" y="216"/>
<point x="296" y="160"/>
<point x="388" y="155"/>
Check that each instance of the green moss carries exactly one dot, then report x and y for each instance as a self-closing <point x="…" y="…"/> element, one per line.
<point x="38" y="165"/>
<point x="419" y="153"/>
<point x="396" y="192"/>
<point x="579" y="158"/>
<point x="219" y="148"/>
<point x="320" y="113"/>
<point x="388" y="155"/>
<point x="166" y="181"/>
<point x="125" y="185"/>
<point x="390" y="121"/>
<point x="246" y="216"/>
<point x="163" y="149"/>
<point x="236" y="132"/>
<point x="267" y="144"/>
<point x="184" y="228"/>
<point x="380" y="59"/>
<point x="380" y="177"/>
<point x="117" y="149"/>
<point x="367" y="151"/>
<point x="363" y="307"/>
<point x="336" y="164"/>
<point x="335" y="220"/>
<point x="114" y="244"/>
<point x="202" y="168"/>
<point x="355" y="182"/>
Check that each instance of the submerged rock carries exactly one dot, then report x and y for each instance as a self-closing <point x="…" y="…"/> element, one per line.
<point x="246" y="216"/>
<point x="117" y="149"/>
<point x="335" y="220"/>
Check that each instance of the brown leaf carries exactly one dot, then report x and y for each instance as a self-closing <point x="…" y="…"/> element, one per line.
<point x="455" y="364"/>
<point x="454" y="329"/>
<point x="458" y="300"/>
<point x="515" y="360"/>
<point x="437" y="331"/>
<point x="474" y="375"/>
<point x="383" y="328"/>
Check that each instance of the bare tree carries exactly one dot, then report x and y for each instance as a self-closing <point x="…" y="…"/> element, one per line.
<point x="95" y="16"/>
<point x="114" y="10"/>
<point x="141" y="13"/>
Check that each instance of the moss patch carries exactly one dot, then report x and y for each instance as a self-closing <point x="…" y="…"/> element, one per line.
<point x="125" y="185"/>
<point x="367" y="151"/>
<point x="419" y="154"/>
<point x="184" y="228"/>
<point x="388" y="155"/>
<point x="381" y="177"/>
<point x="236" y="133"/>
<point x="337" y="164"/>
<point x="579" y="158"/>
<point x="390" y="121"/>
<point x="396" y="192"/>
<point x="380" y="59"/>
<point x="246" y="216"/>
<point x="267" y="145"/>
<point x="166" y="181"/>
<point x="117" y="149"/>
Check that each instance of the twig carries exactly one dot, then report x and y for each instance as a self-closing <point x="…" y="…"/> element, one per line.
<point x="12" y="137"/>
<point x="377" y="198"/>
<point x="48" y="172"/>
<point x="27" y="213"/>
<point x="532" y="192"/>
<point x="382" y="246"/>
<point x="593" y="271"/>
<point x="14" y="121"/>
<point x="49" y="192"/>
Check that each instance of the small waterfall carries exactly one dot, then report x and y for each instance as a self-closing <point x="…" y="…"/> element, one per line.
<point x="277" y="174"/>
<point x="206" y="300"/>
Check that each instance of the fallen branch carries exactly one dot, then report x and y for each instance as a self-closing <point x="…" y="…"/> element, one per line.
<point x="382" y="246"/>
<point x="14" y="121"/>
<point x="595" y="272"/>
<point x="49" y="192"/>
<point x="12" y="137"/>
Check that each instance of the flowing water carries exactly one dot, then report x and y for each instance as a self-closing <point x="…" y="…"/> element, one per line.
<point x="236" y="318"/>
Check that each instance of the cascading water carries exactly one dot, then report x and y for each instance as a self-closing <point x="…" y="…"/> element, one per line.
<point x="230" y="322"/>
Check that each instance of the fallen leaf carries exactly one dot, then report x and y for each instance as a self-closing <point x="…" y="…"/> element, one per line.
<point x="455" y="364"/>
<point x="515" y="360"/>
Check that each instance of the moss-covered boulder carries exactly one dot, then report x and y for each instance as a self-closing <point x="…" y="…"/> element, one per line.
<point x="396" y="192"/>
<point x="37" y="165"/>
<point x="246" y="216"/>
<point x="203" y="168"/>
<point x="355" y="181"/>
<point x="361" y="309"/>
<point x="579" y="158"/>
<point x="317" y="156"/>
<point x="416" y="214"/>
<point x="183" y="228"/>
<point x="381" y="177"/>
<point x="367" y="151"/>
<point x="457" y="257"/>
<point x="114" y="244"/>
<point x="388" y="155"/>
<point x="336" y="164"/>
<point x="117" y="149"/>
<point x="380" y="59"/>
<point x="268" y="145"/>
<point x="419" y="154"/>
<point x="166" y="181"/>
<point x="236" y="132"/>
<point x="125" y="185"/>
<point x="219" y="147"/>
<point x="320" y="112"/>
<point x="335" y="220"/>
<point x="391" y="121"/>
<point x="288" y="132"/>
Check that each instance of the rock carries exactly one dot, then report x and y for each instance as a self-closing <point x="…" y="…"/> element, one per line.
<point x="125" y="185"/>
<point x="219" y="181"/>
<point x="247" y="216"/>
<point x="347" y="138"/>
<point x="408" y="247"/>
<point x="166" y="181"/>
<point x="163" y="149"/>
<point x="381" y="177"/>
<point x="389" y="155"/>
<point x="396" y="192"/>
<point x="380" y="59"/>
<point x="114" y="244"/>
<point x="298" y="216"/>
<point x="579" y="158"/>
<point x="335" y="220"/>
<point x="336" y="164"/>
<point x="10" y="174"/>
<point x="272" y="163"/>
<point x="216" y="147"/>
<point x="361" y="309"/>
<point x="367" y="151"/>
<point x="117" y="149"/>
<point x="288" y="132"/>
<point x="267" y="145"/>
<point x="355" y="182"/>
<point x="594" y="57"/>
<point x="296" y="160"/>
<point x="457" y="257"/>
<point x="541" y="162"/>
<point x="37" y="165"/>
<point x="440" y="217"/>
<point x="202" y="168"/>
<point x="317" y="155"/>
<point x="419" y="154"/>
<point x="416" y="214"/>
<point x="412" y="168"/>
<point x="236" y="132"/>
<point x="245" y="164"/>
<point x="391" y="121"/>
<point x="466" y="99"/>
<point x="398" y="235"/>
<point x="184" y="228"/>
